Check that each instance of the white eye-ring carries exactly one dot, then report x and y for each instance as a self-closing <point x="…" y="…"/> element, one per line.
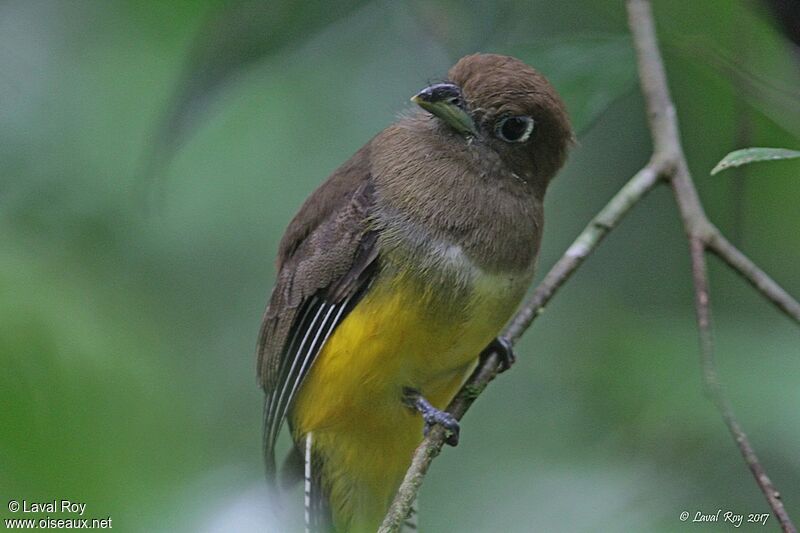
<point x="514" y="129"/>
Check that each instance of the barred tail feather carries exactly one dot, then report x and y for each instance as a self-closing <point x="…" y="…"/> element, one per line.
<point x="317" y="511"/>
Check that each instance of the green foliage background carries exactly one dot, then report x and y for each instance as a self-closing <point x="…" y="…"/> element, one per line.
<point x="151" y="154"/>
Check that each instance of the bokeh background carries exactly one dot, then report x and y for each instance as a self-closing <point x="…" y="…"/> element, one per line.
<point x="151" y="154"/>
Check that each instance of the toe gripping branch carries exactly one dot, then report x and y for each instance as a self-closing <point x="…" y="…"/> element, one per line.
<point x="431" y="415"/>
<point x="502" y="347"/>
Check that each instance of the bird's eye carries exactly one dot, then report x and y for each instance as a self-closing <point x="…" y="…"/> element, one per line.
<point x="456" y="101"/>
<point x="514" y="129"/>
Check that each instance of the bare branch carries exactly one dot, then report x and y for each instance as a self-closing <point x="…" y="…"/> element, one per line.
<point x="754" y="275"/>
<point x="653" y="80"/>
<point x="714" y="387"/>
<point x="702" y="303"/>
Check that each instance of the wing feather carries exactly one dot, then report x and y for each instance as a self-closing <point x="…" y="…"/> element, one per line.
<point x="327" y="260"/>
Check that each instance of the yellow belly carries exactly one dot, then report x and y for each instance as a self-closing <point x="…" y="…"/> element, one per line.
<point x="401" y="334"/>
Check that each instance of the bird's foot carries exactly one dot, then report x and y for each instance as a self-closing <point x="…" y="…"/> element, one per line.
<point x="432" y="416"/>
<point x="502" y="347"/>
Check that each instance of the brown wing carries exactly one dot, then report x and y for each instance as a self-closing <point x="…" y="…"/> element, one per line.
<point x="326" y="261"/>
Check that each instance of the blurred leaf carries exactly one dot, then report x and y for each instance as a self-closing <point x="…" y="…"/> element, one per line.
<point x="234" y="37"/>
<point x="462" y="26"/>
<point x="787" y="14"/>
<point x="753" y="155"/>
<point x="590" y="73"/>
<point x="753" y="59"/>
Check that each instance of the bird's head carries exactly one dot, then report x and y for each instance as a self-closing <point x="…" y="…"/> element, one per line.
<point x="501" y="104"/>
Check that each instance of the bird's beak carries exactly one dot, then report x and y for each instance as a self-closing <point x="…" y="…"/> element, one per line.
<point x="445" y="101"/>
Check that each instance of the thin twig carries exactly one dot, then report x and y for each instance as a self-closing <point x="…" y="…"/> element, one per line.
<point x="714" y="387"/>
<point x="702" y="303"/>
<point x="754" y="275"/>
<point x="668" y="162"/>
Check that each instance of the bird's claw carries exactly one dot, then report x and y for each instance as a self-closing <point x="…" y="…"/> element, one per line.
<point x="504" y="350"/>
<point x="444" y="419"/>
<point x="433" y="416"/>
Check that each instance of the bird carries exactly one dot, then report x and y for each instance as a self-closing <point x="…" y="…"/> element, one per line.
<point x="397" y="275"/>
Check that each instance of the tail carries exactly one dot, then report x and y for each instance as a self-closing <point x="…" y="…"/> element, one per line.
<point x="318" y="516"/>
<point x="317" y="510"/>
<point x="304" y="464"/>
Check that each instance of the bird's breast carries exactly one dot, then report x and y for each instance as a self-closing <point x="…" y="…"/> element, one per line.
<point x="431" y="189"/>
<point x="450" y="297"/>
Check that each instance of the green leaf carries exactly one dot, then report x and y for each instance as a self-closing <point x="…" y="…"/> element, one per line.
<point x="752" y="155"/>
